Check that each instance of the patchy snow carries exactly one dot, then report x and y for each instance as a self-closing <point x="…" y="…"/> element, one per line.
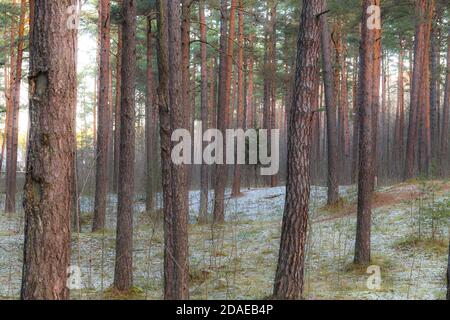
<point x="238" y="260"/>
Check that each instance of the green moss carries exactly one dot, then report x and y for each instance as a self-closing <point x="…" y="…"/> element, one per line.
<point x="436" y="246"/>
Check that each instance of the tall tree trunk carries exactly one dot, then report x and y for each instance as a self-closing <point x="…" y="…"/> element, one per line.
<point x="204" y="185"/>
<point x="11" y="174"/>
<point x="424" y="100"/>
<point x="185" y="45"/>
<point x="223" y="106"/>
<point x="446" y="108"/>
<point x="434" y="88"/>
<point x="417" y="77"/>
<point x="336" y="38"/>
<point x="104" y="119"/>
<point x="189" y="112"/>
<point x="212" y="94"/>
<point x="250" y="64"/>
<point x="236" y="191"/>
<point x="117" y="109"/>
<point x="366" y="158"/>
<point x="175" y="191"/>
<point x="149" y="123"/>
<point x="344" y="108"/>
<point x="355" y="138"/>
<point x="400" y="117"/>
<point x="272" y="80"/>
<point x="50" y="157"/>
<point x="291" y="259"/>
<point x="377" y="58"/>
<point x="382" y="122"/>
<point x="330" y="101"/>
<point x="94" y="114"/>
<point x="123" y="273"/>
<point x="9" y="95"/>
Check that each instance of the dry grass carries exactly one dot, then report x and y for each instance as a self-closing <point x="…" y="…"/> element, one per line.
<point x="436" y="246"/>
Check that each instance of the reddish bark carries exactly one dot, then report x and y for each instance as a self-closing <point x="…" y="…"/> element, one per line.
<point x="366" y="140"/>
<point x="117" y="109"/>
<point x="123" y="273"/>
<point x="50" y="158"/>
<point x="289" y="277"/>
<point x="223" y="106"/>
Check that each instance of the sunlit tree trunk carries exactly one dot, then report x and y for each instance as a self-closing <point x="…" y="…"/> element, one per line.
<point x="11" y="174"/>
<point x="400" y="114"/>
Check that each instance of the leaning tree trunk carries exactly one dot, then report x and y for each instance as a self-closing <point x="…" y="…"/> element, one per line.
<point x="48" y="186"/>
<point x="330" y="101"/>
<point x="289" y="276"/>
<point x="123" y="275"/>
<point x="101" y="177"/>
<point x="366" y="158"/>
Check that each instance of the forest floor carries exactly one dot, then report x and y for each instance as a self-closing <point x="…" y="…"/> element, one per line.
<point x="238" y="260"/>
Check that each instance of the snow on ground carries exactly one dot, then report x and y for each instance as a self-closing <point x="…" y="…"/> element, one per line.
<point x="238" y="260"/>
